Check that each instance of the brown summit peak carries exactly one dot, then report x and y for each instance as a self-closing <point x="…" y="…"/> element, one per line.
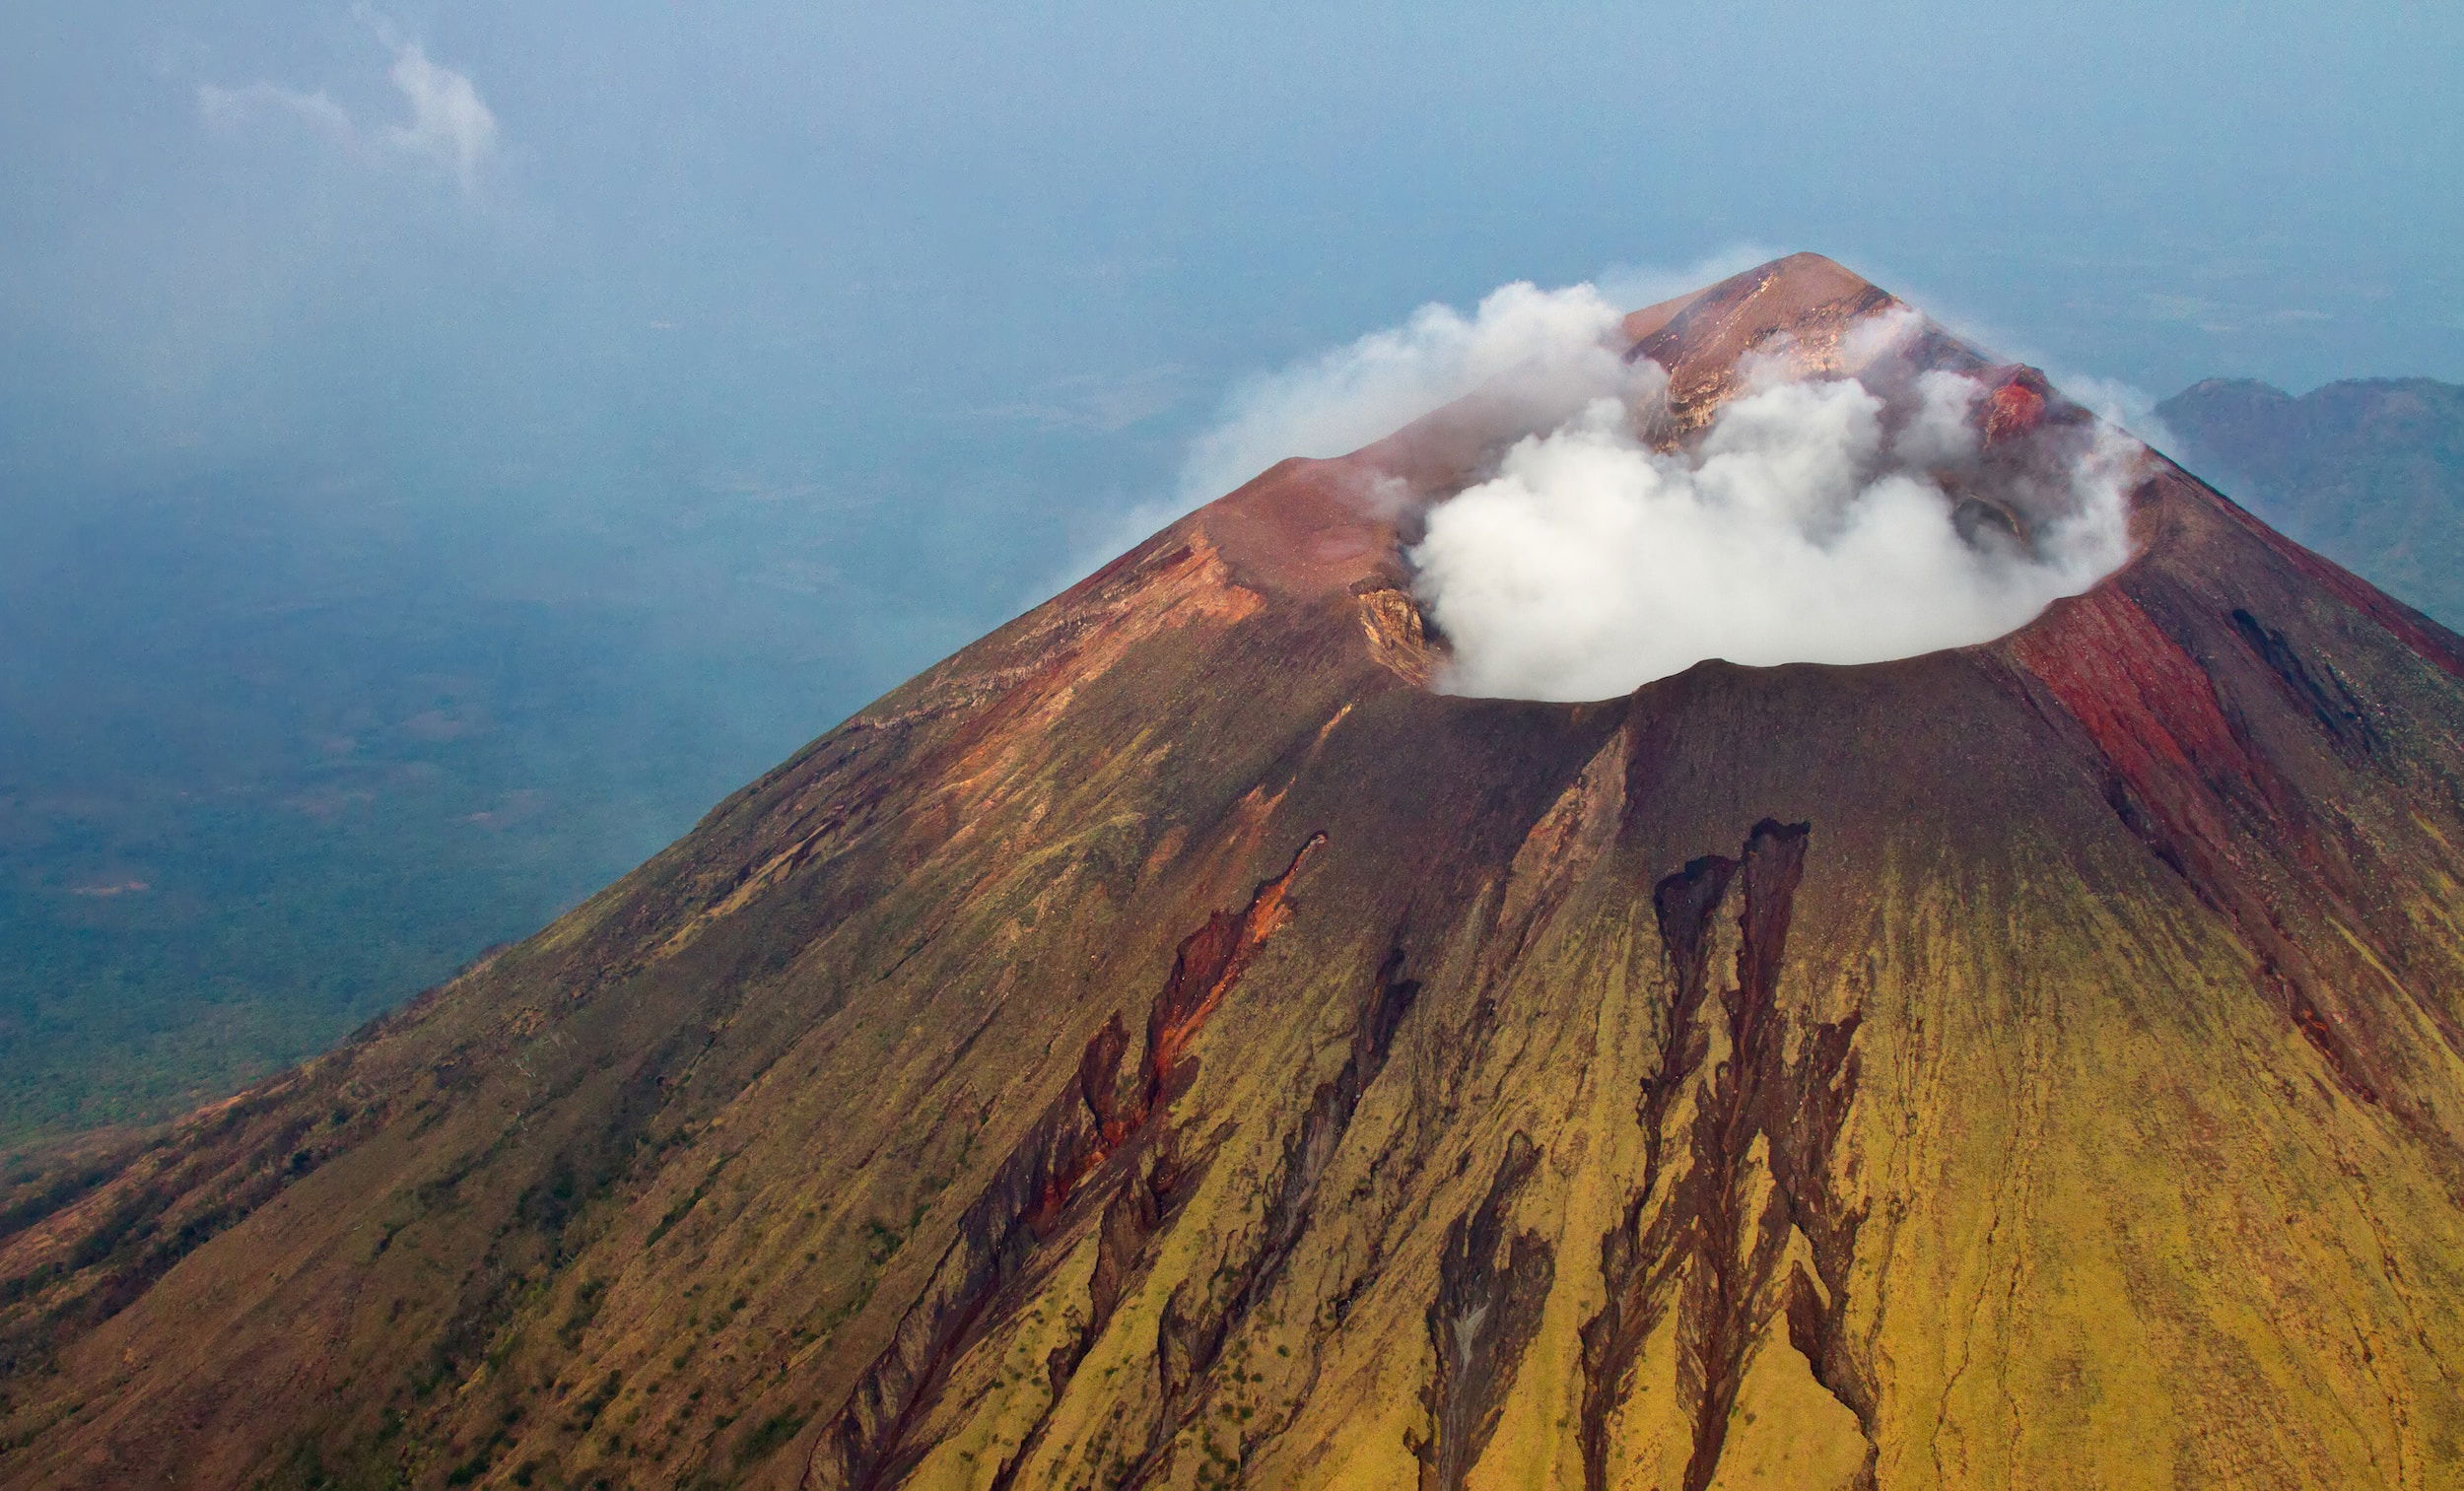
<point x="1805" y="300"/>
<point x="1786" y="286"/>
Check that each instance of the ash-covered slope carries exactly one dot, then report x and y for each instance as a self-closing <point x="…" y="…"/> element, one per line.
<point x="1167" y="1045"/>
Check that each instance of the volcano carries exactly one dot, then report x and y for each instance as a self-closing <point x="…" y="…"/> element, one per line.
<point x="1169" y="1044"/>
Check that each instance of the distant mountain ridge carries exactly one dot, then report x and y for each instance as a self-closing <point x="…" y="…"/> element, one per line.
<point x="2368" y="471"/>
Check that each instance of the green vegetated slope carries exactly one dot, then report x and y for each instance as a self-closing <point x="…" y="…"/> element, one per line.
<point x="1166" y="1045"/>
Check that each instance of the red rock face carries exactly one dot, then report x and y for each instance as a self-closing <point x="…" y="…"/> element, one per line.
<point x="2148" y="707"/>
<point x="1167" y="1045"/>
<point x="2015" y="408"/>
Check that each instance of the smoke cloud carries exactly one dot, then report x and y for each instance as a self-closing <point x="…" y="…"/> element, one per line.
<point x="2118" y="403"/>
<point x="1813" y="521"/>
<point x="1819" y="517"/>
<point x="1552" y="348"/>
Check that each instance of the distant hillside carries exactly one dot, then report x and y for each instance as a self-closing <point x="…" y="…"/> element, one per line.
<point x="2369" y="472"/>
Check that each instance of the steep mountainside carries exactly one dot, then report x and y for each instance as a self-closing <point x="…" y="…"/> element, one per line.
<point x="1166" y="1045"/>
<point x="2368" y="471"/>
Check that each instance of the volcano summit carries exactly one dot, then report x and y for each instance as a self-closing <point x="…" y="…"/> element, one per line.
<point x="1176" y="1041"/>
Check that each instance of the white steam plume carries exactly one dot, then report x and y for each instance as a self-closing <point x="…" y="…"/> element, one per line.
<point x="1828" y="518"/>
<point x="2119" y="403"/>
<point x="1811" y="524"/>
<point x="1551" y="347"/>
<point x="1554" y="349"/>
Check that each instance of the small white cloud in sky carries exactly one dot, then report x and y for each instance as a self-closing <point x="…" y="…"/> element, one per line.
<point x="317" y="110"/>
<point x="449" y="124"/>
<point x="450" y="127"/>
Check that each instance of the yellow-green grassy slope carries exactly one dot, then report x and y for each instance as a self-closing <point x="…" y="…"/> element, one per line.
<point x="1165" y="1046"/>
